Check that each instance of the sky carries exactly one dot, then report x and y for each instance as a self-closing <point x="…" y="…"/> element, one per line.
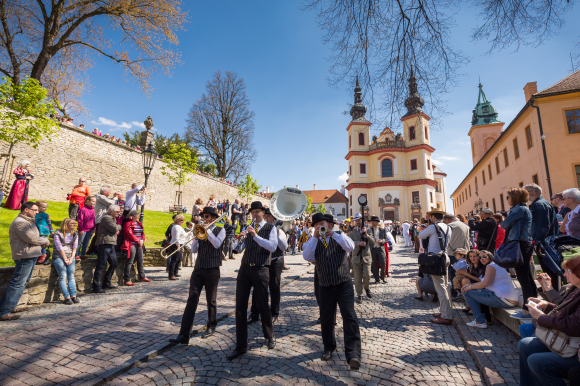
<point x="300" y="128"/>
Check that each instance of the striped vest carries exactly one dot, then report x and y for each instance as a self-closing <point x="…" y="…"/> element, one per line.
<point x="331" y="264"/>
<point x="255" y="254"/>
<point x="278" y="252"/>
<point x="207" y="255"/>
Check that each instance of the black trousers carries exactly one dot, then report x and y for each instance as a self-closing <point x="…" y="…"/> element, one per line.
<point x="174" y="263"/>
<point x="105" y="253"/>
<point x="343" y="296"/>
<point x="525" y="273"/>
<point x="556" y="280"/>
<point x="316" y="288"/>
<point x="258" y="278"/>
<point x="379" y="258"/>
<point x="208" y="278"/>
<point x="276" y="268"/>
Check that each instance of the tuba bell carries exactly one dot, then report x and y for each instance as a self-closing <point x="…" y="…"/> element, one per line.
<point x="286" y="205"/>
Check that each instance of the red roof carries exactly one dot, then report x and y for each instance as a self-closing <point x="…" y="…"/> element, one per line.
<point x="569" y="83"/>
<point x="325" y="196"/>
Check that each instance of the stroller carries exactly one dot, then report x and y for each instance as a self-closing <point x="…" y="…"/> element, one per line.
<point x="554" y="246"/>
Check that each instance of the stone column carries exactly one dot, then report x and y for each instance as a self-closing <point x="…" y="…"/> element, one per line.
<point x="147" y="135"/>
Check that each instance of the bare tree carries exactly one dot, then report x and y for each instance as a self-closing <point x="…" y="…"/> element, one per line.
<point x="221" y="126"/>
<point x="378" y="40"/>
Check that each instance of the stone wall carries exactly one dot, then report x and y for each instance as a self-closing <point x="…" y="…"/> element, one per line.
<point x="43" y="285"/>
<point x="57" y="166"/>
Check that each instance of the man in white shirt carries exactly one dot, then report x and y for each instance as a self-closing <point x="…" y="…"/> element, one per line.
<point x="406" y="236"/>
<point x="131" y="198"/>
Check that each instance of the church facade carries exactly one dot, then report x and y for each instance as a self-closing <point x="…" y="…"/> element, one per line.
<point x="394" y="171"/>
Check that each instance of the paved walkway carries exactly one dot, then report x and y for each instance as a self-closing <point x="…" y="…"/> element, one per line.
<point x="121" y="338"/>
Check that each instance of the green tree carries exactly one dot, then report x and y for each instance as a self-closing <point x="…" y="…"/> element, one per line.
<point x="25" y="114"/>
<point x="321" y="208"/>
<point x="309" y="207"/>
<point x="179" y="165"/>
<point x="248" y="187"/>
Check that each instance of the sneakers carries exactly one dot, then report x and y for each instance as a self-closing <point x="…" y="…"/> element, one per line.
<point x="520" y="315"/>
<point x="476" y="325"/>
<point x="68" y="302"/>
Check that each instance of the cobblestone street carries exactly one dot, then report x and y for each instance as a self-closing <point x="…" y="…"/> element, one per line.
<point x="121" y="338"/>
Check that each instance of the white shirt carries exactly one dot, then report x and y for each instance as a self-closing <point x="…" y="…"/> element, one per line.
<point x="406" y="227"/>
<point x="270" y="244"/>
<point x="342" y="239"/>
<point x="216" y="241"/>
<point x="178" y="233"/>
<point x="130" y="198"/>
<point x="282" y="241"/>
<point x="502" y="284"/>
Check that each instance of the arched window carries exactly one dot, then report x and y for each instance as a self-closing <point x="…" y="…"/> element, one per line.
<point x="361" y="139"/>
<point x="412" y="133"/>
<point x="387" y="168"/>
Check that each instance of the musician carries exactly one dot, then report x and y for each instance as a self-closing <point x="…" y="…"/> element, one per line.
<point x="361" y="257"/>
<point x="260" y="242"/>
<point x="378" y="254"/>
<point x="206" y="273"/>
<point x="276" y="266"/>
<point x="329" y="220"/>
<point x="330" y="252"/>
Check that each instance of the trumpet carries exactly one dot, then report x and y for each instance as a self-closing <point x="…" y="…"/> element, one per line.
<point x="322" y="230"/>
<point x="199" y="232"/>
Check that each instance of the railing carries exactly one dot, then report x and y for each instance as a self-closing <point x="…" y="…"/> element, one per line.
<point x="416" y="206"/>
<point x="387" y="144"/>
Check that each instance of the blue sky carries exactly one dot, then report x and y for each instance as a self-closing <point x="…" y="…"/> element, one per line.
<point x="300" y="127"/>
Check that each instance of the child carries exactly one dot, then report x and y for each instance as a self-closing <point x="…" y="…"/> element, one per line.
<point x="293" y="240"/>
<point x="460" y="255"/>
<point x="44" y="225"/>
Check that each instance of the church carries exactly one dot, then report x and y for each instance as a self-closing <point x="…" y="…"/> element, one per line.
<point x="394" y="171"/>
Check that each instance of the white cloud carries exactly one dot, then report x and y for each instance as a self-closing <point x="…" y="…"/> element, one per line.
<point x="447" y="158"/>
<point x="343" y="177"/>
<point x="436" y="162"/>
<point x="116" y="126"/>
<point x="140" y="124"/>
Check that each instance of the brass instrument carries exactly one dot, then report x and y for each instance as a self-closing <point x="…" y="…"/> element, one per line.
<point x="199" y="232"/>
<point x="322" y="230"/>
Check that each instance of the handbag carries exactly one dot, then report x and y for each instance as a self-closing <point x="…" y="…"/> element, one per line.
<point x="557" y="341"/>
<point x="509" y="255"/>
<point x="436" y="263"/>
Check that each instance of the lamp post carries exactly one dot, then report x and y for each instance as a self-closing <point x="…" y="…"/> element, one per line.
<point x="362" y="200"/>
<point x="149" y="157"/>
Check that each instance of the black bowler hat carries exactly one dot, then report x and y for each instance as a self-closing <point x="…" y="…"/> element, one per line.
<point x="209" y="210"/>
<point x="329" y="218"/>
<point x="374" y="218"/>
<point x="256" y="205"/>
<point x="318" y="217"/>
<point x="268" y="212"/>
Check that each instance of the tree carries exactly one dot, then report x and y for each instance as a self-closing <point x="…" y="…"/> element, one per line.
<point x="309" y="207"/>
<point x="179" y="166"/>
<point x="321" y="208"/>
<point x="38" y="35"/>
<point x="221" y="126"/>
<point x="248" y="187"/>
<point x="378" y="41"/>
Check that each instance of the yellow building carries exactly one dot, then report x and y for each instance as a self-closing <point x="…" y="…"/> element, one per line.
<point x="539" y="146"/>
<point x="395" y="172"/>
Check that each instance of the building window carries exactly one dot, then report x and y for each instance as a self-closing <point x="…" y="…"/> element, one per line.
<point x="577" y="167"/>
<point x="505" y="157"/>
<point x="415" y="197"/>
<point x="361" y="139"/>
<point x="489" y="172"/>
<point x="429" y="165"/>
<point x="413" y="164"/>
<point x="521" y="184"/>
<point x="483" y="176"/>
<point x="493" y="203"/>
<point x="535" y="179"/>
<point x="412" y="133"/>
<point x="501" y="202"/>
<point x="469" y="190"/>
<point x="351" y="213"/>
<point x="516" y="149"/>
<point x="426" y="132"/>
<point x="349" y="142"/>
<point x="431" y="197"/>
<point x="387" y="168"/>
<point x="363" y="168"/>
<point x="476" y="189"/>
<point x="529" y="139"/>
<point x="487" y="204"/>
<point x="573" y="119"/>
<point x="496" y="165"/>
<point x="466" y="193"/>
<point x="350" y="202"/>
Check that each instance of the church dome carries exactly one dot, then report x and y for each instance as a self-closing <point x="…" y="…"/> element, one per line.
<point x="484" y="112"/>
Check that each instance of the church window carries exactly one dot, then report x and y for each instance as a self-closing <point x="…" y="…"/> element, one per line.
<point x="573" y="120"/>
<point x="426" y="132"/>
<point x="415" y="197"/>
<point x="429" y="165"/>
<point x="349" y="142"/>
<point x="350" y="201"/>
<point x="413" y="164"/>
<point x="363" y="169"/>
<point x="361" y="139"/>
<point x="516" y="149"/>
<point x="412" y="133"/>
<point x="431" y="197"/>
<point x="387" y="168"/>
<point x="529" y="139"/>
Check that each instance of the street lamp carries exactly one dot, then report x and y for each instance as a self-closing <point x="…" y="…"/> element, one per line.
<point x="362" y="200"/>
<point x="149" y="157"/>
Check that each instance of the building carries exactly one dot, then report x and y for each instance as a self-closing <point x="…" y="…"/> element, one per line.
<point x="540" y="145"/>
<point x="394" y="171"/>
<point x="335" y="202"/>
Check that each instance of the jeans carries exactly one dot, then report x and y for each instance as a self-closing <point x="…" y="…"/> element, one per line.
<point x="525" y="273"/>
<point x="541" y="367"/>
<point x="66" y="272"/>
<point x="228" y="247"/>
<point x="73" y="210"/>
<point x="105" y="253"/>
<point x="84" y="241"/>
<point x="136" y="253"/>
<point x="527" y="330"/>
<point x="22" y="274"/>
<point x="476" y="297"/>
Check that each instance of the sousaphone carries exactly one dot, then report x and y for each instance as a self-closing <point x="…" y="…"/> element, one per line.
<point x="286" y="205"/>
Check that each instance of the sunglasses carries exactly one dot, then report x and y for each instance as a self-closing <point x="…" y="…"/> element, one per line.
<point x="207" y="216"/>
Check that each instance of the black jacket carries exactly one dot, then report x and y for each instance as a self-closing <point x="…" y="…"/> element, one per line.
<point x="487" y="231"/>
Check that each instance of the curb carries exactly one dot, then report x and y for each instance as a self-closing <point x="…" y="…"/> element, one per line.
<point x="113" y="373"/>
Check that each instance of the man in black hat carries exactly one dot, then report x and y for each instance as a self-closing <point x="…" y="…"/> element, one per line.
<point x="260" y="242"/>
<point x="206" y="273"/>
<point x="329" y="250"/>
<point x="378" y="253"/>
<point x="276" y="266"/>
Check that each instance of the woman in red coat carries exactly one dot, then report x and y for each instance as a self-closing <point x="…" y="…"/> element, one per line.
<point x="19" y="192"/>
<point x="134" y="245"/>
<point x="500" y="231"/>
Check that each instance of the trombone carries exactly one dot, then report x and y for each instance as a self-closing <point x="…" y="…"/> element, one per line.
<point x="199" y="232"/>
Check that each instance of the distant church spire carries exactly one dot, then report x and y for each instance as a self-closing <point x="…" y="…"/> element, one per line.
<point x="358" y="110"/>
<point x="414" y="103"/>
<point x="484" y="112"/>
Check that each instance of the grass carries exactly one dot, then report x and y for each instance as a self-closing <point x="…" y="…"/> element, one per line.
<point x="155" y="224"/>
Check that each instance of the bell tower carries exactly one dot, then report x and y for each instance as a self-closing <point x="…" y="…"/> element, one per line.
<point x="485" y="127"/>
<point x="415" y="121"/>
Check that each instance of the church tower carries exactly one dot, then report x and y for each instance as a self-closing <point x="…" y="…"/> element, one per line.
<point x="359" y="132"/>
<point x="415" y="121"/>
<point x="485" y="128"/>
